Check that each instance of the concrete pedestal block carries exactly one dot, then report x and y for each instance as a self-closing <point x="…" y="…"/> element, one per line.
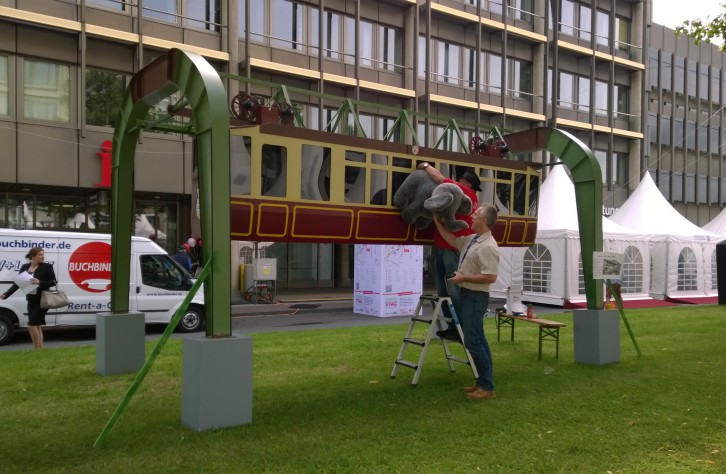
<point x="120" y="342"/>
<point x="597" y="336"/>
<point x="216" y="382"/>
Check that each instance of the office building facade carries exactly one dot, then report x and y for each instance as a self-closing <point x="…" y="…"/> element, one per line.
<point x="586" y="67"/>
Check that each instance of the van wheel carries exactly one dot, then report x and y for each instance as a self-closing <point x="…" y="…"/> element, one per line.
<point x="191" y="321"/>
<point x="7" y="329"/>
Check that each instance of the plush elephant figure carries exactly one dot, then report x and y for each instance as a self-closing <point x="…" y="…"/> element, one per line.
<point x="447" y="200"/>
<point x="410" y="198"/>
<point x="419" y="196"/>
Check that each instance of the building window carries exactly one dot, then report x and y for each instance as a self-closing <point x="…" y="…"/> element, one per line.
<point x="583" y="93"/>
<point x="46" y="91"/>
<point x="203" y="14"/>
<point x="287" y="24"/>
<point x="390" y="49"/>
<point x="112" y="4"/>
<point x="104" y="94"/>
<point x="622" y="34"/>
<point x="422" y="67"/>
<point x="602" y="28"/>
<point x="585" y="23"/>
<point x="365" y="47"/>
<point x="566" y="94"/>
<point x="258" y="18"/>
<point x="620" y="169"/>
<point x="567" y="17"/>
<point x="618" y="164"/>
<point x="156" y="220"/>
<point x="576" y="20"/>
<point x="520" y="79"/>
<point x="447" y="62"/>
<point x="470" y="67"/>
<point x="602" y="160"/>
<point x="495" y="6"/>
<point x="164" y="10"/>
<point x="331" y="35"/>
<point x="521" y="10"/>
<point x="4" y="92"/>
<point x="495" y="74"/>
<point x="601" y="98"/>
<point x="621" y="98"/>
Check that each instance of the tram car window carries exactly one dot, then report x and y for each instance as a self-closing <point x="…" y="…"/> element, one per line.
<point x="315" y="173"/>
<point x="274" y="171"/>
<point x="240" y="151"/>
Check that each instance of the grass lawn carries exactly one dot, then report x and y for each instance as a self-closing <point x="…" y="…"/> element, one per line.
<point x="324" y="402"/>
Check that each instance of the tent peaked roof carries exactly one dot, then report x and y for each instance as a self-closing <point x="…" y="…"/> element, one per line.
<point x="718" y="224"/>
<point x="558" y="209"/>
<point x="647" y="211"/>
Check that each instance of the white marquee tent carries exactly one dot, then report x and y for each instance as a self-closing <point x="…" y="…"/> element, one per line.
<point x="718" y="224"/>
<point x="683" y="256"/>
<point x="551" y="271"/>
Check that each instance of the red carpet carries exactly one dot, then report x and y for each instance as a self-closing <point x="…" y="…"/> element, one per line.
<point x="627" y="304"/>
<point x="695" y="300"/>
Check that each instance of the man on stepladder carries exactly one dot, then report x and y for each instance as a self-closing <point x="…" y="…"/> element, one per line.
<point x="477" y="270"/>
<point x="447" y="256"/>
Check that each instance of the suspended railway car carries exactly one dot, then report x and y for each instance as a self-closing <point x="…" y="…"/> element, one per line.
<point x="297" y="185"/>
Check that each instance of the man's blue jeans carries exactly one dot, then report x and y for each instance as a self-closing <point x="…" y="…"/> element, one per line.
<point x="471" y="314"/>
<point x="447" y="261"/>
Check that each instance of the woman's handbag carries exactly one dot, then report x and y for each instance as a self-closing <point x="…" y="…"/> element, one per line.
<point x="56" y="298"/>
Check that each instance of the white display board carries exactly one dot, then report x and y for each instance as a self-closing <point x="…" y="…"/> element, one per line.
<point x="388" y="279"/>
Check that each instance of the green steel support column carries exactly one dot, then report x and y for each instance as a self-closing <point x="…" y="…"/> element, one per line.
<point x="587" y="177"/>
<point x="403" y="118"/>
<point x="193" y="76"/>
<point x="452" y="131"/>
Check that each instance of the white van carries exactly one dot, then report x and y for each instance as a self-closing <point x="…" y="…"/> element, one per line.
<point x="82" y="264"/>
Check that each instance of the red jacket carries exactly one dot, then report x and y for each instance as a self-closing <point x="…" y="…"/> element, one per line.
<point x="471" y="194"/>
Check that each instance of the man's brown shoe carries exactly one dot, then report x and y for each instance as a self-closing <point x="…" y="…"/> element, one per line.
<point x="481" y="394"/>
<point x="470" y="389"/>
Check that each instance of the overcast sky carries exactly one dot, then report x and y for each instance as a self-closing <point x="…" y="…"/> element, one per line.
<point x="672" y="13"/>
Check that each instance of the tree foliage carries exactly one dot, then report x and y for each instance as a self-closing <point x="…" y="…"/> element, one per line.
<point x="706" y="31"/>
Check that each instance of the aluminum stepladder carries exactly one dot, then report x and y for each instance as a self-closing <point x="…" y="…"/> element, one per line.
<point x="435" y="323"/>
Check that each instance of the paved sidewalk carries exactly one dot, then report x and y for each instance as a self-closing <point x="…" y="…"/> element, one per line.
<point x="293" y="300"/>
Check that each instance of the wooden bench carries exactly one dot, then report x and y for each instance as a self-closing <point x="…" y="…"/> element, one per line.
<point x="548" y="330"/>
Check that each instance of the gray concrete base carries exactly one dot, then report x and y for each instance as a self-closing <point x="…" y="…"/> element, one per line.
<point x="216" y="382"/>
<point x="597" y="336"/>
<point x="120" y="342"/>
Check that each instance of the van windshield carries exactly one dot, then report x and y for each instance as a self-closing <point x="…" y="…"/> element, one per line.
<point x="160" y="271"/>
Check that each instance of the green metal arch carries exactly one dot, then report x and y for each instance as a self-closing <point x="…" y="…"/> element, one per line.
<point x="193" y="76"/>
<point x="587" y="177"/>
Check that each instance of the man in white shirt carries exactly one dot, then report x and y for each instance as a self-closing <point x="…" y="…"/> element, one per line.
<point x="477" y="270"/>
